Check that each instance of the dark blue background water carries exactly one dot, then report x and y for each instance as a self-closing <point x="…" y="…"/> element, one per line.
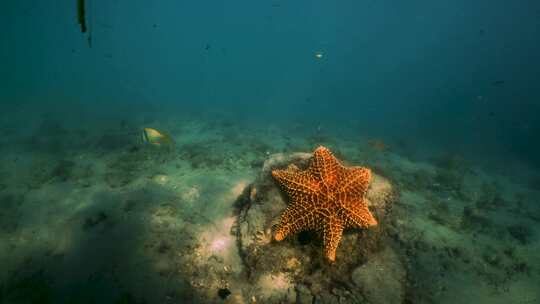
<point x="446" y="75"/>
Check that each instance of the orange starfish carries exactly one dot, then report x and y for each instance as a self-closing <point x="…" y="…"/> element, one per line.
<point x="327" y="197"/>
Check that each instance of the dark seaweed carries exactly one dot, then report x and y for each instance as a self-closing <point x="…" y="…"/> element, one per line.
<point x="223" y="293"/>
<point x="81" y="15"/>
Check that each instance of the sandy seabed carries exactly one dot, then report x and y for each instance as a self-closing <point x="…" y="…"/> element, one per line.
<point x="97" y="217"/>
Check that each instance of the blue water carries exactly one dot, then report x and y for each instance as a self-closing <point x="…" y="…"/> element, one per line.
<point x="414" y="70"/>
<point x="428" y="78"/>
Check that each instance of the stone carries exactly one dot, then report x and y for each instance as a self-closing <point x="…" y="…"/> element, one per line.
<point x="299" y="257"/>
<point x="381" y="279"/>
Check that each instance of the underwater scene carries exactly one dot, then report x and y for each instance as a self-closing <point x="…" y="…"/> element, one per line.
<point x="269" y="151"/>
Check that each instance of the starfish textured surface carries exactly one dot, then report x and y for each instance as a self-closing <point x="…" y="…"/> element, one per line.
<point x="326" y="197"/>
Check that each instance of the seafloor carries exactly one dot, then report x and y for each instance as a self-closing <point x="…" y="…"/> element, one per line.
<point x="90" y="215"/>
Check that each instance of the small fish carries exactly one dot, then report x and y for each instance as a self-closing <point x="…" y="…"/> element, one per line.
<point x="498" y="83"/>
<point x="319" y="55"/>
<point x="156" y="138"/>
<point x="378" y="145"/>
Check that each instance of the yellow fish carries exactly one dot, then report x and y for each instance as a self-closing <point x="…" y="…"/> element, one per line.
<point x="155" y="137"/>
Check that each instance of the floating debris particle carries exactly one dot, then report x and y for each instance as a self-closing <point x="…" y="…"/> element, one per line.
<point x="498" y="83"/>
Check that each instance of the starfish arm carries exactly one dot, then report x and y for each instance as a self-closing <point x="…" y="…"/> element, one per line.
<point x="359" y="216"/>
<point x="294" y="219"/>
<point x="325" y="167"/>
<point x="298" y="185"/>
<point x="332" y="233"/>
<point x="354" y="181"/>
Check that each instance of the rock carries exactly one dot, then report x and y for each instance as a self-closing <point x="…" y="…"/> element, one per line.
<point x="295" y="269"/>
<point x="276" y="288"/>
<point x="382" y="278"/>
<point x="161" y="179"/>
<point x="240" y="256"/>
<point x="281" y="160"/>
<point x="303" y="295"/>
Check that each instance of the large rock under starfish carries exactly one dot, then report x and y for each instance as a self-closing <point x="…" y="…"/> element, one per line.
<point x="367" y="269"/>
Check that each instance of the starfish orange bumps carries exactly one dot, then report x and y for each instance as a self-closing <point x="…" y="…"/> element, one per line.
<point x="326" y="197"/>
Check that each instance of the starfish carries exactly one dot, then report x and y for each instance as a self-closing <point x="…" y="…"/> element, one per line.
<point x="326" y="197"/>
